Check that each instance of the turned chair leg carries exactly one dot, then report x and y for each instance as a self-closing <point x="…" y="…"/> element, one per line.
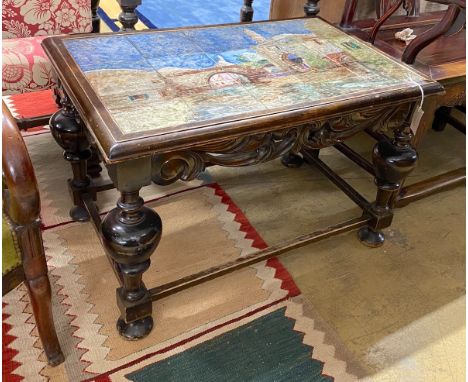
<point x="37" y="282"/>
<point x="22" y="206"/>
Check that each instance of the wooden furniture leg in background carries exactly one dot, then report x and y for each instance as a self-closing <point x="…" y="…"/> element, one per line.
<point x="440" y="118"/>
<point x="286" y="9"/>
<point x="95" y="17"/>
<point x="22" y="205"/>
<point x="128" y="18"/>
<point x="247" y="11"/>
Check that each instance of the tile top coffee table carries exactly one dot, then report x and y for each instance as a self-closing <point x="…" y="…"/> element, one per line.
<point x="163" y="105"/>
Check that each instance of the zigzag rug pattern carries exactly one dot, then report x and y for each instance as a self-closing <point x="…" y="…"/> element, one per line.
<point x="215" y="231"/>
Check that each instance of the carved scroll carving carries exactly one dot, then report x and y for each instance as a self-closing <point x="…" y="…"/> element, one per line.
<point x="250" y="150"/>
<point x="183" y="165"/>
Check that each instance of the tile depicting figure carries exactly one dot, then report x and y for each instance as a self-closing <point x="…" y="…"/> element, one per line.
<point x="171" y="79"/>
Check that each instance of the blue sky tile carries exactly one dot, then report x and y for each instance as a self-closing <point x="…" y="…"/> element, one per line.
<point x="106" y="53"/>
<point x="163" y="44"/>
<point x="221" y="39"/>
<point x="187" y="61"/>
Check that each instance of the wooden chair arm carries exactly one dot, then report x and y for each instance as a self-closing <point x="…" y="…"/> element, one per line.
<point x="21" y="199"/>
<point x="453" y="21"/>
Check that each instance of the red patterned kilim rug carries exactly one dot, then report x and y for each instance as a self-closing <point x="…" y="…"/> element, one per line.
<point x="248" y="325"/>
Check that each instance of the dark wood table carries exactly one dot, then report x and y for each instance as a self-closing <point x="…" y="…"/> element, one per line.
<point x="162" y="106"/>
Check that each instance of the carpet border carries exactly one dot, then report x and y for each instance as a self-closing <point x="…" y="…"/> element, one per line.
<point x="281" y="273"/>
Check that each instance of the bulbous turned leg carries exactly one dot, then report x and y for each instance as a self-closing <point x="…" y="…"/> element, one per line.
<point x="68" y="132"/>
<point x="393" y="161"/>
<point x="291" y="160"/>
<point x="128" y="17"/>
<point x="131" y="233"/>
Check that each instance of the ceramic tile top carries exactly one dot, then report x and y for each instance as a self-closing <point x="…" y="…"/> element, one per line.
<point x="171" y="79"/>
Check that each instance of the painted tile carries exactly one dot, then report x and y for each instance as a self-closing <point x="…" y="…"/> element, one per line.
<point x="103" y="53"/>
<point x="163" y="44"/>
<point x="161" y="80"/>
<point x="215" y="40"/>
<point x="224" y="102"/>
<point x="157" y="115"/>
<point x="129" y="82"/>
<point x="271" y="30"/>
<point x="120" y="103"/>
<point x="187" y="61"/>
<point x="286" y="92"/>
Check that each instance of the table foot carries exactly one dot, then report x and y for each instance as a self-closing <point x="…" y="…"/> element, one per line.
<point x="135" y="330"/>
<point x="79" y="214"/>
<point x="291" y="160"/>
<point x="371" y="238"/>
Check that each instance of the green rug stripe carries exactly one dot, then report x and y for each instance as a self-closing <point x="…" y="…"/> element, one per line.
<point x="267" y="349"/>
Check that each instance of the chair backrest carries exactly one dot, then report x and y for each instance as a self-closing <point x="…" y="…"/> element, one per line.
<point x="410" y="6"/>
<point x="382" y="9"/>
<point x="26" y="18"/>
<point x="452" y="22"/>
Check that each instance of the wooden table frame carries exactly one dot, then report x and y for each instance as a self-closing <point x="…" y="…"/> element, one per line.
<point x="131" y="231"/>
